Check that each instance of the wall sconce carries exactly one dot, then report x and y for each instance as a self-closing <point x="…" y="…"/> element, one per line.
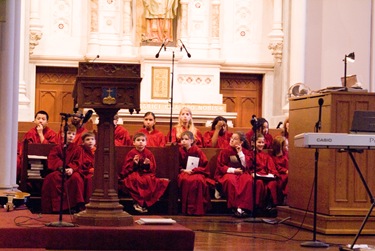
<point x="350" y="57"/>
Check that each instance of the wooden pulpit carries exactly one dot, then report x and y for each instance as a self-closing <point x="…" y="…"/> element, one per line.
<point x="106" y="88"/>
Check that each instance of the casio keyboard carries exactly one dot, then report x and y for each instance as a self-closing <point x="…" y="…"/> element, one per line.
<point x="345" y="141"/>
<point x="335" y="140"/>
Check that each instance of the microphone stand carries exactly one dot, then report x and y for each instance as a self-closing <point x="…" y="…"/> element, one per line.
<point x="61" y="223"/>
<point x="314" y="242"/>
<point x="172" y="82"/>
<point x="254" y="122"/>
<point x="170" y="117"/>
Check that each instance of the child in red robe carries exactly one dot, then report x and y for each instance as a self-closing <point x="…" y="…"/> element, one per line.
<point x="264" y="167"/>
<point x="219" y="136"/>
<point x="154" y="136"/>
<point x="139" y="175"/>
<point x="234" y="176"/>
<point x="194" y="189"/>
<point x="87" y="162"/>
<point x="41" y="134"/>
<point x="73" y="183"/>
<point x="185" y="123"/>
<point x="121" y="135"/>
<point x="279" y="155"/>
<point x="262" y="127"/>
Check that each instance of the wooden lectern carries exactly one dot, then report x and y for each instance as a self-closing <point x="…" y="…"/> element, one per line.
<point x="106" y="88"/>
<point x="342" y="198"/>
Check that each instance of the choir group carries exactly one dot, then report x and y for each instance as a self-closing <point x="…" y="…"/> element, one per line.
<point x="241" y="156"/>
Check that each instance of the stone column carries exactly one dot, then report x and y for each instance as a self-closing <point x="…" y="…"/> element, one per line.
<point x="9" y="79"/>
<point x="127" y="27"/>
<point x="277" y="34"/>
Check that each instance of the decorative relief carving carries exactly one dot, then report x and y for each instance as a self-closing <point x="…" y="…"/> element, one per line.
<point x="94" y="16"/>
<point x="238" y="84"/>
<point x="215" y="20"/>
<point x="56" y="79"/>
<point x="62" y="15"/>
<point x="94" y="69"/>
<point x="195" y="79"/>
<point x="277" y="50"/>
<point x="243" y="20"/>
<point x="34" y="37"/>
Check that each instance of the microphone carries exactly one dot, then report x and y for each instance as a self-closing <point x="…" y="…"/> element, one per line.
<point x="279" y="124"/>
<point x="183" y="46"/>
<point x="319" y="123"/>
<point x="87" y="116"/>
<point x="97" y="56"/>
<point x="321" y="102"/>
<point x="253" y="120"/>
<point x="161" y="47"/>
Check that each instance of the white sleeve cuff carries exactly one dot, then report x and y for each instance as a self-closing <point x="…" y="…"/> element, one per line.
<point x="230" y="170"/>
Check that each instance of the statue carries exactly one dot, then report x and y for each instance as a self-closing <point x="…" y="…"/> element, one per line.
<point x="159" y="16"/>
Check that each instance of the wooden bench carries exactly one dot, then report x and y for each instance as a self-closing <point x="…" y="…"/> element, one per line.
<point x="167" y="166"/>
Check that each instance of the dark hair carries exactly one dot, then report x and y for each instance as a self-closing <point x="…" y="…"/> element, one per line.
<point x="245" y="143"/>
<point x="153" y="115"/>
<point x="87" y="134"/>
<point x="41" y="112"/>
<point x="216" y="120"/>
<point x="139" y="134"/>
<point x="189" y="134"/>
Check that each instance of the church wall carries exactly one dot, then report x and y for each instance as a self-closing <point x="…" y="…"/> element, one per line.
<point x="221" y="36"/>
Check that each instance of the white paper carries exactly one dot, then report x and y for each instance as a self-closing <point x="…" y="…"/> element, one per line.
<point x="157" y="221"/>
<point x="192" y="162"/>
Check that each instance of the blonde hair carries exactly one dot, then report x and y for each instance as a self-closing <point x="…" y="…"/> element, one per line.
<point x="190" y="127"/>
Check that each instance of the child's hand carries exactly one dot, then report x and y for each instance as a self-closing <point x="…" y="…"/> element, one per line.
<point x="188" y="171"/>
<point x="239" y="148"/>
<point x="136" y="159"/>
<point x="68" y="171"/>
<point x="238" y="171"/>
<point x="146" y="161"/>
<point x="39" y="129"/>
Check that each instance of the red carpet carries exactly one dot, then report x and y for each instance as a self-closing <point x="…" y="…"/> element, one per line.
<point x="22" y="229"/>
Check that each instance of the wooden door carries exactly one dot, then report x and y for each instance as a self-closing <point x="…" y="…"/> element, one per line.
<point x="54" y="86"/>
<point x="242" y="93"/>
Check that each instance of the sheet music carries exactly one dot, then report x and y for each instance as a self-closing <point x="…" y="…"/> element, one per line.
<point x="192" y="162"/>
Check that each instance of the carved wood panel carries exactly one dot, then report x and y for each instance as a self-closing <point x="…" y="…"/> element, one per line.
<point x="53" y="91"/>
<point x="242" y="93"/>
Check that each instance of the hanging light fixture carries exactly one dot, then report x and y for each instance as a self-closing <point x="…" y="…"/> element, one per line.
<point x="351" y="58"/>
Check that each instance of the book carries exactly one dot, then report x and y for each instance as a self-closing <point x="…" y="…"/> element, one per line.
<point x="36" y="157"/>
<point x="192" y="163"/>
<point x="266" y="176"/>
<point x="155" y="221"/>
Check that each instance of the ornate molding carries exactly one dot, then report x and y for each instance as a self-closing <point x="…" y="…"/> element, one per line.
<point x="276" y="48"/>
<point x="34" y="37"/>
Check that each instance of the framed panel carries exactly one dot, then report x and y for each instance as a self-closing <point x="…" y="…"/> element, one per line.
<point x="160" y="82"/>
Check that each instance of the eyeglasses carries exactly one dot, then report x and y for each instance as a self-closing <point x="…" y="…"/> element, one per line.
<point x="234" y="138"/>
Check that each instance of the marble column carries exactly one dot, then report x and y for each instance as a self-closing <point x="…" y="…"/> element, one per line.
<point x="9" y="84"/>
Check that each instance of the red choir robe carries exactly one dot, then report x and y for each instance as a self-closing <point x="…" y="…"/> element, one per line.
<point x="122" y="136"/>
<point x="79" y="133"/>
<point x="264" y="166"/>
<point x="268" y="139"/>
<point x="282" y="166"/>
<point x="194" y="189"/>
<point x="73" y="184"/>
<point x="32" y="136"/>
<point x="238" y="188"/>
<point x="140" y="179"/>
<point x="86" y="169"/>
<point x="155" y="138"/>
<point x="197" y="137"/>
<point x="222" y="141"/>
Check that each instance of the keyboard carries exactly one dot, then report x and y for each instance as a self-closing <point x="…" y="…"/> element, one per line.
<point x="335" y="140"/>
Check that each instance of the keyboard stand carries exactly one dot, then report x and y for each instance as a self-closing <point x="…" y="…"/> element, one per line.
<point x="350" y="152"/>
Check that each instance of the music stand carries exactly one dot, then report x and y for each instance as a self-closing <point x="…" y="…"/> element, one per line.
<point x="314" y="242"/>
